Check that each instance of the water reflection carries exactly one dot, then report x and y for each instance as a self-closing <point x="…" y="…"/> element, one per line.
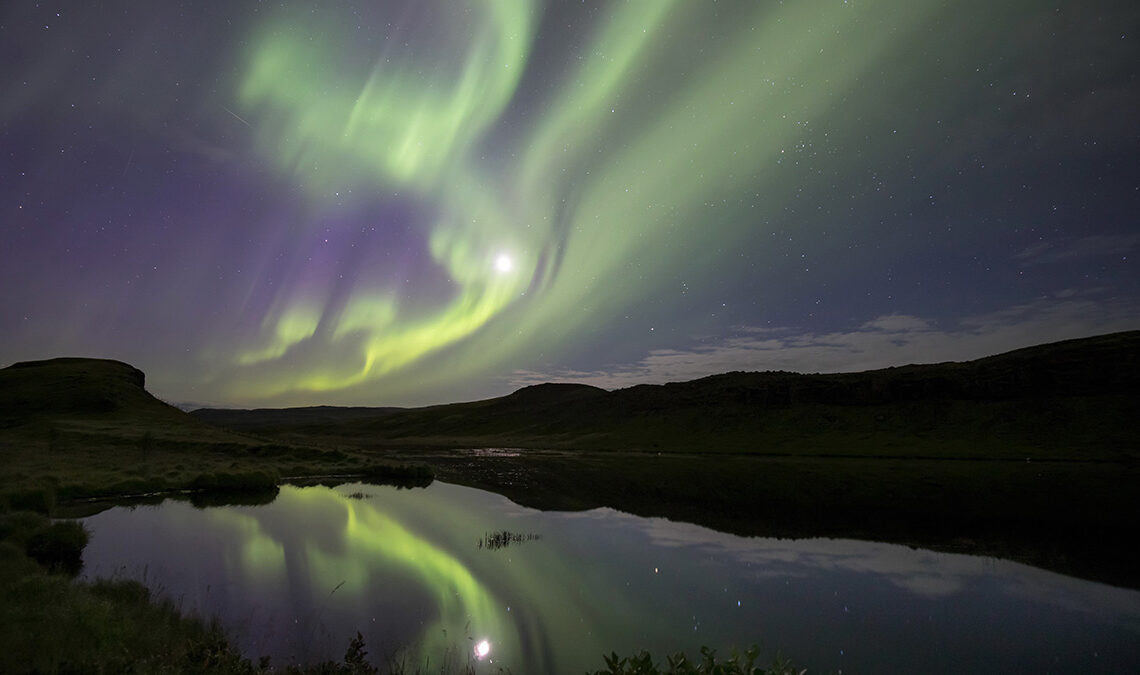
<point x="493" y="541"/>
<point x="482" y="649"/>
<point x="329" y="541"/>
<point x="314" y="558"/>
<point x="924" y="573"/>
<point x="298" y="577"/>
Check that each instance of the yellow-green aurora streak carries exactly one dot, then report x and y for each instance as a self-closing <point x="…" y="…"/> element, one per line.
<point x="346" y="559"/>
<point x="623" y="174"/>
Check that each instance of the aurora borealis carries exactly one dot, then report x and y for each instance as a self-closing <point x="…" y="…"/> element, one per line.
<point x="399" y="203"/>
<point x="292" y="578"/>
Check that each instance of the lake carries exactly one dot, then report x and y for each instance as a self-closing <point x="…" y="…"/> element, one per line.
<point x="415" y="572"/>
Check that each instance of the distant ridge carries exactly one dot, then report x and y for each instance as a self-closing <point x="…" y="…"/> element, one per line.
<point x="1060" y="399"/>
<point x="235" y="418"/>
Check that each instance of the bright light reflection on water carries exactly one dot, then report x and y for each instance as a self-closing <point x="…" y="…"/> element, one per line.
<point x="482" y="650"/>
<point x="297" y="578"/>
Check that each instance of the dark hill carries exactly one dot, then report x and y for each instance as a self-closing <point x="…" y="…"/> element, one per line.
<point x="87" y="404"/>
<point x="77" y="388"/>
<point x="1070" y="399"/>
<point x="76" y="427"/>
<point x="553" y="394"/>
<point x="281" y="418"/>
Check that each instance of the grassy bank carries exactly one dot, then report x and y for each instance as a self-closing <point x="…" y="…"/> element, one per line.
<point x="44" y="468"/>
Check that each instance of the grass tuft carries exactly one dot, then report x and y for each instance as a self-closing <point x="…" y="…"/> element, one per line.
<point x="411" y="475"/>
<point x="40" y="498"/>
<point x="59" y="546"/>
<point x="236" y="481"/>
<point x="679" y="664"/>
<point x="17" y="527"/>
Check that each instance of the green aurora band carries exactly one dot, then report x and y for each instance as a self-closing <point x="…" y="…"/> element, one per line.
<point x="645" y="160"/>
<point x="270" y="559"/>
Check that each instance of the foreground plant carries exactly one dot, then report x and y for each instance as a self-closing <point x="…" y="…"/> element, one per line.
<point x="679" y="664"/>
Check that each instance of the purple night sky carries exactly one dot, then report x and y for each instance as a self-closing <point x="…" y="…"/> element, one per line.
<point x="407" y="203"/>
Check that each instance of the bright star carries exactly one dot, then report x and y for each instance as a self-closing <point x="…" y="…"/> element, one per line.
<point x="503" y="263"/>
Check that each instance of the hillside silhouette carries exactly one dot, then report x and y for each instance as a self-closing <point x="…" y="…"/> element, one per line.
<point x="81" y="404"/>
<point x="1069" y="399"/>
<point x="79" y="428"/>
<point x="71" y="387"/>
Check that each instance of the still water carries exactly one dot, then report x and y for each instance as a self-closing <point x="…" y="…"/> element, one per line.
<point x="410" y="570"/>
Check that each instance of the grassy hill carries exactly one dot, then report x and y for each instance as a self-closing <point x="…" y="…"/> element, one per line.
<point x="1070" y="399"/>
<point x="76" y="402"/>
<point x="74" y="427"/>
<point x="32" y="391"/>
<point x="284" y="418"/>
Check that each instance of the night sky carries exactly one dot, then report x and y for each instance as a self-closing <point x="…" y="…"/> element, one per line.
<point x="386" y="203"/>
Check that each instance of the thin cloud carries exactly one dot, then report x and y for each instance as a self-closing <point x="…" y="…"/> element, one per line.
<point x="1073" y="249"/>
<point x="889" y="340"/>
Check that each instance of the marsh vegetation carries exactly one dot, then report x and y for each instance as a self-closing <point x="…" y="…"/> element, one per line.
<point x="493" y="541"/>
